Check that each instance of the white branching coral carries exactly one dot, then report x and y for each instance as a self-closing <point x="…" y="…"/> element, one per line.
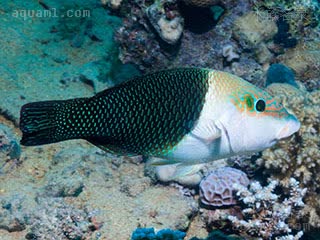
<point x="299" y="155"/>
<point x="266" y="214"/>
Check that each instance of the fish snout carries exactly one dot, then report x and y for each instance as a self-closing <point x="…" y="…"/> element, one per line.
<point x="292" y="126"/>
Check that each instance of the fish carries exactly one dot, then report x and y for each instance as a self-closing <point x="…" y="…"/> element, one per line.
<point x="178" y="116"/>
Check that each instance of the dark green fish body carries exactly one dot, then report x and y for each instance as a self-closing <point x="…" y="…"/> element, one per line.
<point x="148" y="115"/>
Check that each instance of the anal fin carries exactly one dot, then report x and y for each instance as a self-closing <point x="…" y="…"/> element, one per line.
<point x="109" y="148"/>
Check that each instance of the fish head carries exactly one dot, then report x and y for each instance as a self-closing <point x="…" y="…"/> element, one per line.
<point x="256" y="121"/>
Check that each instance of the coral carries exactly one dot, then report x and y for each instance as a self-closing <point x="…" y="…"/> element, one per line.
<point x="216" y="189"/>
<point x="166" y="20"/>
<point x="229" y="53"/>
<point x="149" y="234"/>
<point x="266" y="214"/>
<point x="298" y="156"/>
<point x="143" y="234"/>
<point x="279" y="73"/>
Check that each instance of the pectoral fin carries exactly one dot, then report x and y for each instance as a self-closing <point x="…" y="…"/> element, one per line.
<point x="179" y="173"/>
<point x="206" y="131"/>
<point x="186" y="170"/>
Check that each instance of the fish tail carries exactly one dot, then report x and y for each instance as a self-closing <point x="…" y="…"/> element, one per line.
<point x="43" y="122"/>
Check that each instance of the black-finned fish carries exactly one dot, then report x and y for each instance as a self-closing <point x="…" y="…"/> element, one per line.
<point x="187" y="115"/>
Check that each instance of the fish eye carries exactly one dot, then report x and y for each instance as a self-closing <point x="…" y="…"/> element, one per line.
<point x="260" y="105"/>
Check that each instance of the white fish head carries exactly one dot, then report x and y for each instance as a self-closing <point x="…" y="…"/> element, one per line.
<point x="256" y="121"/>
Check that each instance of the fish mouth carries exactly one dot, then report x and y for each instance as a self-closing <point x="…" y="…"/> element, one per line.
<point x="273" y="142"/>
<point x="292" y="126"/>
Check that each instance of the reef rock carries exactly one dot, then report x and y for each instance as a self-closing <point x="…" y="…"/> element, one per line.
<point x="167" y="21"/>
<point x="251" y="30"/>
<point x="9" y="147"/>
<point x="304" y="59"/>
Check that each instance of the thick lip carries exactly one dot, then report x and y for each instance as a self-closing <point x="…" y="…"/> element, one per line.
<point x="292" y="126"/>
<point x="273" y="142"/>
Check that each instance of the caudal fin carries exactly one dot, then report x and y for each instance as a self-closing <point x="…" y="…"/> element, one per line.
<point x="38" y="122"/>
<point x="52" y="121"/>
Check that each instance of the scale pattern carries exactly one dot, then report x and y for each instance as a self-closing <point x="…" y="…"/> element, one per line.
<point x="147" y="115"/>
<point x="151" y="114"/>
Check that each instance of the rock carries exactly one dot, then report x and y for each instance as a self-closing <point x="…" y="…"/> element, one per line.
<point x="304" y="59"/>
<point x="263" y="54"/>
<point x="70" y="186"/>
<point x="95" y="74"/>
<point x="250" y="30"/>
<point x="56" y="219"/>
<point x="13" y="215"/>
<point x="157" y="206"/>
<point x="82" y="162"/>
<point x="250" y="70"/>
<point x="167" y="22"/>
<point x="175" y="215"/>
<point x="135" y="186"/>
<point x="101" y="29"/>
<point x="32" y="59"/>
<point x="9" y="146"/>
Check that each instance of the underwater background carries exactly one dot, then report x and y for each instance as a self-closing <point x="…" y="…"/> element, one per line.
<point x="55" y="50"/>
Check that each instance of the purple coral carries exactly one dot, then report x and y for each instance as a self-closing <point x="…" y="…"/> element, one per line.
<point x="216" y="189"/>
